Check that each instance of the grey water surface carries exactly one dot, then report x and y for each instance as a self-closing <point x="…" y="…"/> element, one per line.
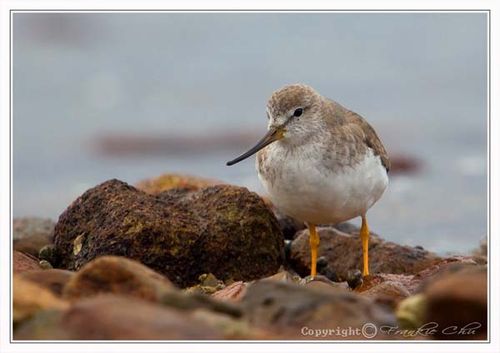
<point x="419" y="78"/>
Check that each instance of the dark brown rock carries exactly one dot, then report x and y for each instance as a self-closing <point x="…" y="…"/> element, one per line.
<point x="343" y="253"/>
<point x="31" y="234"/>
<point x="118" y="275"/>
<point x="224" y="230"/>
<point x="458" y="303"/>
<point x="22" y="262"/>
<point x="285" y="307"/>
<point x="52" y="279"/>
<point x="111" y="317"/>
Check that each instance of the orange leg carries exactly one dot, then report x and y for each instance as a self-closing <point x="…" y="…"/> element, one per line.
<point x="365" y="237"/>
<point x="314" y="243"/>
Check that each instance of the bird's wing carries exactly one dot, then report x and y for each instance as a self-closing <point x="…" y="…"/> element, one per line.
<point x="369" y="136"/>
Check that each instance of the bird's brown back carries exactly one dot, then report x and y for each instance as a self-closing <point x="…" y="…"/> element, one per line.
<point x="352" y="124"/>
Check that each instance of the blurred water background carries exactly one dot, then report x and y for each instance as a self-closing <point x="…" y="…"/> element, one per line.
<point x="131" y="96"/>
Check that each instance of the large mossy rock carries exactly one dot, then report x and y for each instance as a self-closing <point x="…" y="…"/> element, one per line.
<point x="224" y="230"/>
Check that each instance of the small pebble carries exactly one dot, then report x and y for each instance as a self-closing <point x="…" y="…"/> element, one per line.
<point x="321" y="263"/>
<point x="208" y="280"/>
<point x="325" y="270"/>
<point x="354" y="278"/>
<point x="45" y="265"/>
<point x="49" y="253"/>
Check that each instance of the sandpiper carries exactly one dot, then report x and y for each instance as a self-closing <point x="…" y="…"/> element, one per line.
<point x="319" y="162"/>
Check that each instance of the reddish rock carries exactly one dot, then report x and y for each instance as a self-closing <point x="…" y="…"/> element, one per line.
<point x="233" y="292"/>
<point x="224" y="230"/>
<point x="343" y="252"/>
<point x="52" y="279"/>
<point x="392" y="288"/>
<point x="118" y="275"/>
<point x="23" y="262"/>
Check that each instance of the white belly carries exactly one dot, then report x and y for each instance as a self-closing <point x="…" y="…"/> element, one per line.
<point x="311" y="193"/>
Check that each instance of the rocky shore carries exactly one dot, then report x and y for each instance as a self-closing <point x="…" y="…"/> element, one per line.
<point x="182" y="258"/>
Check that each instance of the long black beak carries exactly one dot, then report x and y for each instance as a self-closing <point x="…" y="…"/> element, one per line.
<point x="272" y="135"/>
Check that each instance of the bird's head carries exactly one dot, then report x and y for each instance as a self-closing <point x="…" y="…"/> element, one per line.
<point x="292" y="111"/>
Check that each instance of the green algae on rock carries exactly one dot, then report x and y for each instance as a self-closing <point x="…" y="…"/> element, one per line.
<point x="224" y="230"/>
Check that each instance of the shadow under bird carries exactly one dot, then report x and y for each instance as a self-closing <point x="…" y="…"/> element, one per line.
<point x="319" y="162"/>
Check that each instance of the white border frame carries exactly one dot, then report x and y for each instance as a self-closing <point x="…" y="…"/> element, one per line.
<point x="254" y="6"/>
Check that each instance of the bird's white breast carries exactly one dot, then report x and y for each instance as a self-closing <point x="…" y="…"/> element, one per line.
<point x="306" y="189"/>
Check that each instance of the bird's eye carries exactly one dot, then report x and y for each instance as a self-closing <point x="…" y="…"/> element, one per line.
<point x="298" y="112"/>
